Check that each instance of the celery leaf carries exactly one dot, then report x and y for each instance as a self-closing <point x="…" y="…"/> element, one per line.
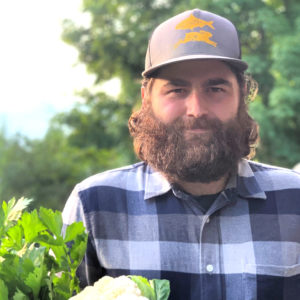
<point x="4" y="291"/>
<point x="52" y="219"/>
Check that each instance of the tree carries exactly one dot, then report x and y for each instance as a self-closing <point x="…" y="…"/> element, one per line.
<point x="100" y="122"/>
<point x="47" y="170"/>
<point x="93" y="136"/>
<point x="114" y="45"/>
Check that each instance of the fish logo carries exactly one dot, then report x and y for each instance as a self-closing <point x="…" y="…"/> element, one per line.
<point x="191" y="23"/>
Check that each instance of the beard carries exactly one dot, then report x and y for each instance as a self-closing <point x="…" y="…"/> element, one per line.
<point x="182" y="154"/>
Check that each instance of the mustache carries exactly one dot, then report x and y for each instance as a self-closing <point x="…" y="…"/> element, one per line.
<point x="190" y="123"/>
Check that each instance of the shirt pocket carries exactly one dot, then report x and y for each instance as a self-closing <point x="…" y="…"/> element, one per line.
<point x="270" y="282"/>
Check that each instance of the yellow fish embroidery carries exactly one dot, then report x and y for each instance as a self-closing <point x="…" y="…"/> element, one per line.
<point x="202" y="36"/>
<point x="192" y="22"/>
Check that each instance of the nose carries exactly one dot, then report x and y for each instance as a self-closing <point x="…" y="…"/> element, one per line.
<point x="196" y="105"/>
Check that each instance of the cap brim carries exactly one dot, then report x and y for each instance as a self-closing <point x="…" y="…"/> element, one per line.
<point x="237" y="63"/>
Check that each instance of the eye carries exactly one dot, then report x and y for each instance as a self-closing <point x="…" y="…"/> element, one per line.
<point x="176" y="91"/>
<point x="216" y="89"/>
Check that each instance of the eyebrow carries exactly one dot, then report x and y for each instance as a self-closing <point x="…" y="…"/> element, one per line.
<point x="218" y="81"/>
<point x="176" y="82"/>
<point x="185" y="83"/>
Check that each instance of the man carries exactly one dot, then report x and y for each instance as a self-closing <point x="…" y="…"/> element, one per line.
<point x="194" y="211"/>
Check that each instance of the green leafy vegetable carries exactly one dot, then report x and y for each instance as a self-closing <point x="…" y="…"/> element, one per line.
<point x="145" y="287"/>
<point x="162" y="288"/>
<point x="4" y="291"/>
<point x="35" y="260"/>
<point x="155" y="289"/>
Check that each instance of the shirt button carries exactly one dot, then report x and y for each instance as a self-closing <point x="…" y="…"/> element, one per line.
<point x="209" y="268"/>
<point x="208" y="220"/>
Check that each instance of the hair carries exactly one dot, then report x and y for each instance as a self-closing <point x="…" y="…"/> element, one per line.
<point x="248" y="91"/>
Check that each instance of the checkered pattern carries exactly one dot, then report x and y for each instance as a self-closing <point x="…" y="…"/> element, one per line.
<point x="246" y="246"/>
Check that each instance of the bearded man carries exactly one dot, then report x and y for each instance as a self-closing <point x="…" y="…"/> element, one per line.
<point x="196" y="210"/>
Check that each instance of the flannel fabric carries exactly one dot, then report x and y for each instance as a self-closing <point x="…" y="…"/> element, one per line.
<point x="246" y="246"/>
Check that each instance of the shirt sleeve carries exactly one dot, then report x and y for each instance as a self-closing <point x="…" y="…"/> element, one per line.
<point x="89" y="270"/>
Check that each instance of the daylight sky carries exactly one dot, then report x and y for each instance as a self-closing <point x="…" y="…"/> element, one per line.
<point x="39" y="73"/>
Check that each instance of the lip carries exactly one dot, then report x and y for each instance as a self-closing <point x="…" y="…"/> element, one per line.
<point x="197" y="130"/>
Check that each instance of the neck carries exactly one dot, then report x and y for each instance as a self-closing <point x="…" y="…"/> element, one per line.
<point x="200" y="188"/>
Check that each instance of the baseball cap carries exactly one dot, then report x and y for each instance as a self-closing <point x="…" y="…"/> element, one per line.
<point x="193" y="35"/>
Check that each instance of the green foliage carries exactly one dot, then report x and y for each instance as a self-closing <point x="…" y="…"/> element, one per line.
<point x="144" y="286"/>
<point x="100" y="122"/>
<point x="114" y="45"/>
<point x="155" y="289"/>
<point x="47" y="170"/>
<point x="36" y="262"/>
<point x="162" y="288"/>
<point x="93" y="136"/>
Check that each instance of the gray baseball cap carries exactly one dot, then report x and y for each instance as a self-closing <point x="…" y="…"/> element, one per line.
<point x="193" y="35"/>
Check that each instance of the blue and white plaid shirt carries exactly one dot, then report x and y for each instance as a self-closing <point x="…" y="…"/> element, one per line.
<point x="246" y="246"/>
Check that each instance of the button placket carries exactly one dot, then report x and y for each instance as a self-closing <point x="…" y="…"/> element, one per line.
<point x="210" y="254"/>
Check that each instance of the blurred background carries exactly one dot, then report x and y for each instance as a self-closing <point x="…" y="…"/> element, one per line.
<point x="70" y="78"/>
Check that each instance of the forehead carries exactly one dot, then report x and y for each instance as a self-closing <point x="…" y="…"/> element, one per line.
<point x="196" y="69"/>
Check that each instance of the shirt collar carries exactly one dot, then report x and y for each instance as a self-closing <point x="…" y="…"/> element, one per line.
<point x="155" y="184"/>
<point x="244" y="182"/>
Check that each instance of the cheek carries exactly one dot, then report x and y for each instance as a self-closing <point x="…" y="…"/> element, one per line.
<point x="167" y="111"/>
<point x="227" y="110"/>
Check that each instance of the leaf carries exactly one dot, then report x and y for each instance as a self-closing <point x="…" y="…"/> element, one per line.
<point x="20" y="296"/>
<point x="60" y="256"/>
<point x="15" y="209"/>
<point x="9" y="268"/>
<point x="48" y="240"/>
<point x="144" y="286"/>
<point x="53" y="220"/>
<point x="73" y="230"/>
<point x="33" y="251"/>
<point x="14" y="238"/>
<point x="32" y="225"/>
<point x="7" y="206"/>
<point x="161" y="288"/>
<point x="36" y="255"/>
<point x="34" y="280"/>
<point x="27" y="267"/>
<point x="10" y="212"/>
<point x="62" y="287"/>
<point x="77" y="252"/>
<point x="4" y="291"/>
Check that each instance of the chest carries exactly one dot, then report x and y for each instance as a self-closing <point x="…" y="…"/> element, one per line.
<point x="185" y="240"/>
<point x="228" y="252"/>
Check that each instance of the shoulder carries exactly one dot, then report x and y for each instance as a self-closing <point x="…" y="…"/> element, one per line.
<point x="94" y="191"/>
<point x="258" y="167"/>
<point x="127" y="177"/>
<point x="277" y="178"/>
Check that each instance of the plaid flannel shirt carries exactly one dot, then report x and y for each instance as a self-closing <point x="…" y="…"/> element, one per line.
<point x="246" y="246"/>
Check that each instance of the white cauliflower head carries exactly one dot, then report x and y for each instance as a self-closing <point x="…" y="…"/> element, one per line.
<point x="108" y="288"/>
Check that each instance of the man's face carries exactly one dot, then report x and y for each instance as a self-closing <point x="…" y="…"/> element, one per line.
<point x="189" y="127"/>
<point x="194" y="89"/>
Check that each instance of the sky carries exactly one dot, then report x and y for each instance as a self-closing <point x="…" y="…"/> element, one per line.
<point x="39" y="73"/>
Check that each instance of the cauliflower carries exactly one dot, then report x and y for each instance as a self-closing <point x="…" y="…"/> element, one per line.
<point x="108" y="288"/>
